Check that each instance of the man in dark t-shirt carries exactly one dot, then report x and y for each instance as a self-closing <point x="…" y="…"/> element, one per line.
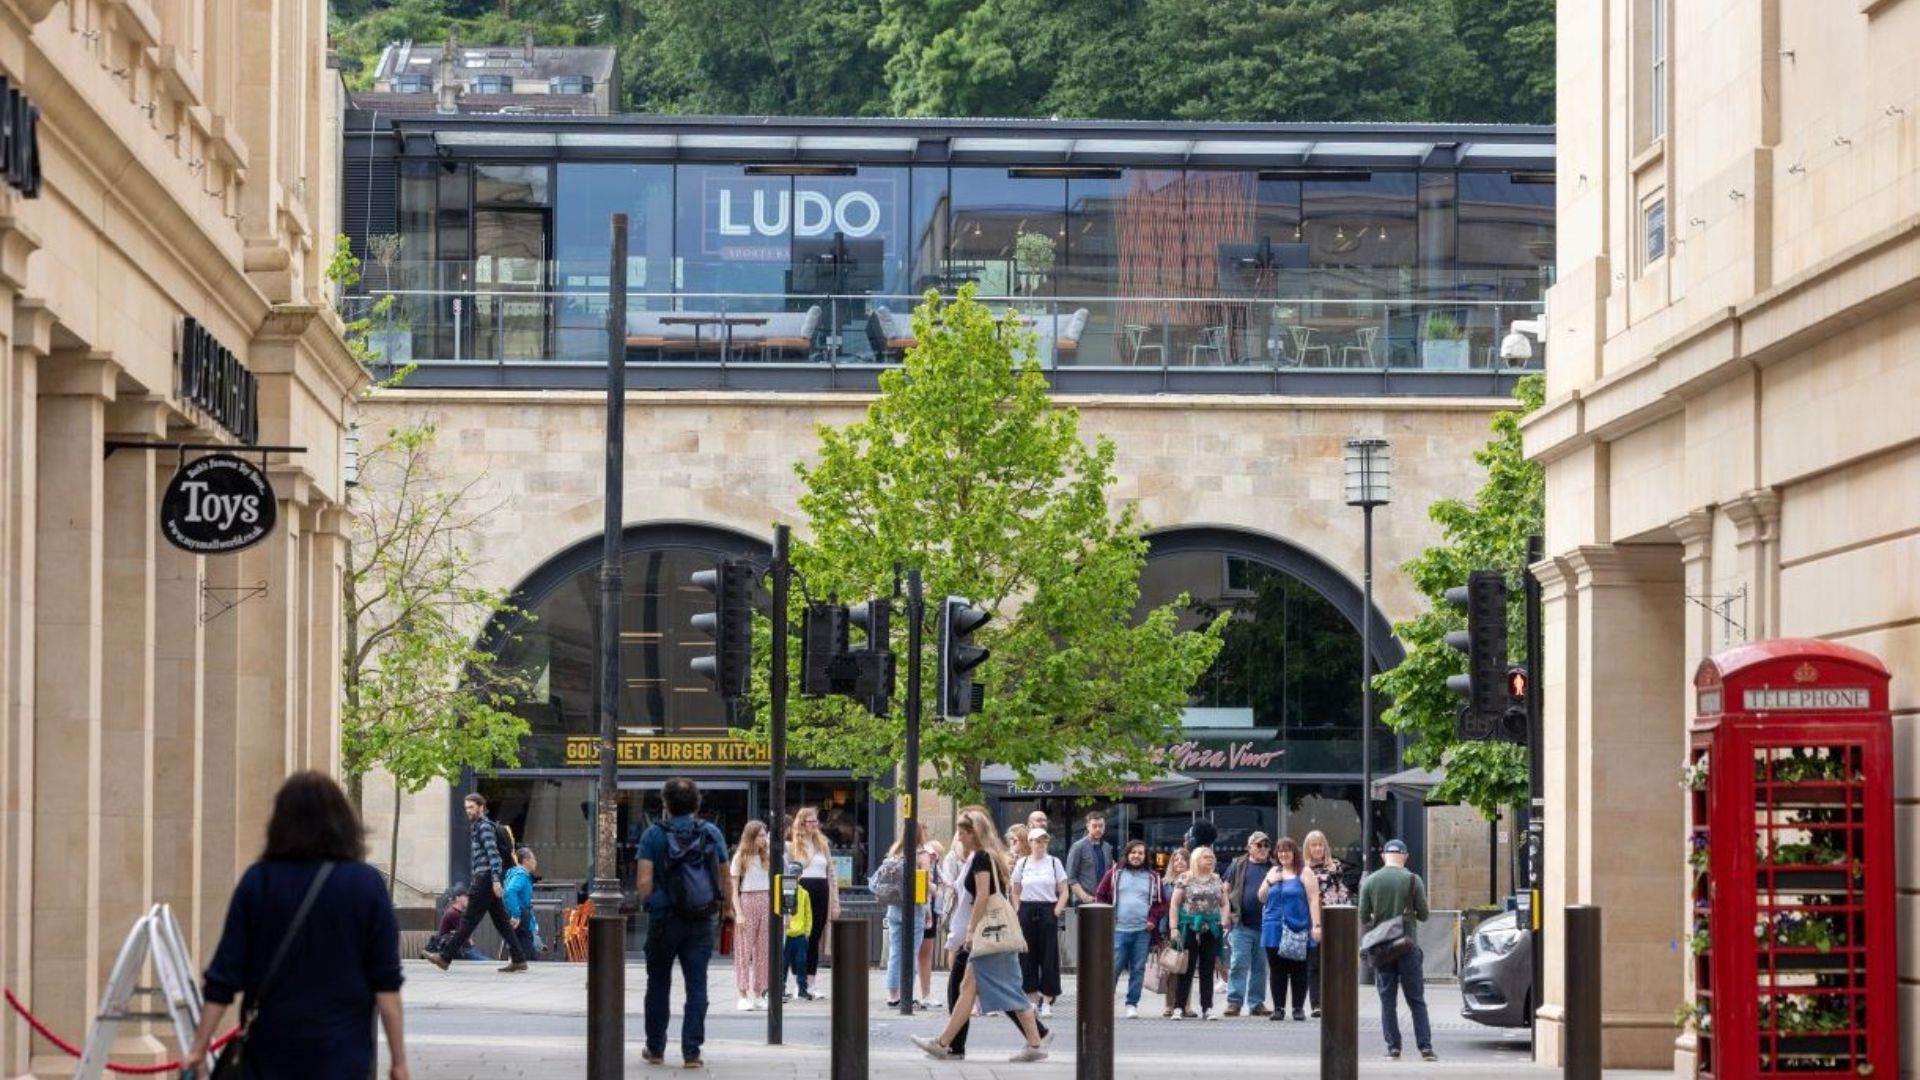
<point x="673" y="936"/>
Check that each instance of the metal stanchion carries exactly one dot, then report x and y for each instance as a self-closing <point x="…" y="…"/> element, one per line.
<point x="1582" y="992"/>
<point x="1339" y="992"/>
<point x="1093" y="985"/>
<point x="849" y="1003"/>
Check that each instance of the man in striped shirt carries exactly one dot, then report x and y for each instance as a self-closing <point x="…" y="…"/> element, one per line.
<point x="485" y="891"/>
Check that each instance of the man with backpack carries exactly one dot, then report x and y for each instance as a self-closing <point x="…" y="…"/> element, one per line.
<point x="485" y="891"/>
<point x="1393" y="901"/>
<point x="684" y="883"/>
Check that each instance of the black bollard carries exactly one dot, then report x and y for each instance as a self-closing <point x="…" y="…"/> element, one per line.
<point x="1339" y="992"/>
<point x="849" y="1004"/>
<point x="1093" y="983"/>
<point x="1583" y="1048"/>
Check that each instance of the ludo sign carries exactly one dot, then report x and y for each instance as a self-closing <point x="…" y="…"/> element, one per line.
<point x="217" y="504"/>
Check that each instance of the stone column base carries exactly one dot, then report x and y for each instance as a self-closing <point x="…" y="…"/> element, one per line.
<point x="1629" y="1040"/>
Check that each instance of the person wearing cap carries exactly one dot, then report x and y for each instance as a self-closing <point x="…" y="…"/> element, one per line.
<point x="1040" y="898"/>
<point x="1246" y="960"/>
<point x="1391" y="891"/>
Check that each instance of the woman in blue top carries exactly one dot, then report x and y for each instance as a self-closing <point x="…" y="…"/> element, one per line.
<point x="1289" y="924"/>
<point x="343" y="963"/>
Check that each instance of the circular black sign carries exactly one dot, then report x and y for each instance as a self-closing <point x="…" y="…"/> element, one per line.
<point x="217" y="504"/>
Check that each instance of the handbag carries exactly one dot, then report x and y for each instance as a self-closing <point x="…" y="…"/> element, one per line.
<point x="1293" y="944"/>
<point x="228" y="1067"/>
<point x="998" y="930"/>
<point x="1156" y="976"/>
<point x="1173" y="960"/>
<point x="1387" y="942"/>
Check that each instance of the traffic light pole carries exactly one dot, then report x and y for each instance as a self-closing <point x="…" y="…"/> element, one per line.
<point x="1534" y="819"/>
<point x="910" y="792"/>
<point x="606" y="946"/>
<point x="777" y="783"/>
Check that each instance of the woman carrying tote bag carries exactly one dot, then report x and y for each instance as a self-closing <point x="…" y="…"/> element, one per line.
<point x="993" y="947"/>
<point x="312" y="946"/>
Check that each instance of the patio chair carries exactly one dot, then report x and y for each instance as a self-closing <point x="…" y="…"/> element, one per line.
<point x="1304" y="350"/>
<point x="1213" y="339"/>
<point x="1363" y="339"/>
<point x="1138" y="345"/>
<point x="790" y="332"/>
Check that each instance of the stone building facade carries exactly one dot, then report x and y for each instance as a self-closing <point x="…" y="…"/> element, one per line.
<point x="187" y="168"/>
<point x="1730" y="437"/>
<point x="1264" y="466"/>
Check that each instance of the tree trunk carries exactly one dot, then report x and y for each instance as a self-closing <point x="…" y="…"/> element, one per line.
<point x="393" y="842"/>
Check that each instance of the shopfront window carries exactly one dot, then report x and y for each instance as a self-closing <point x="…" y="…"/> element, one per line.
<point x="589" y="196"/>
<point x="552" y="816"/>
<point x="734" y="236"/>
<point x="1009" y="231"/>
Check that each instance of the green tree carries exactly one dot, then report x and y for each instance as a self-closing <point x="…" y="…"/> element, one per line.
<point x="1508" y="73"/>
<point x="423" y="698"/>
<point x="1489" y="533"/>
<point x="965" y="468"/>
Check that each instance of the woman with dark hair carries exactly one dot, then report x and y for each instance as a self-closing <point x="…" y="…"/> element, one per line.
<point x="311" y="943"/>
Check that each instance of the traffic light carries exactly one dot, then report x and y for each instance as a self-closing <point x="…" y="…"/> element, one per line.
<point x="826" y="662"/>
<point x="959" y="619"/>
<point x="1513" y="720"/>
<point x="873" y="685"/>
<point x="730" y="624"/>
<point x="1484" y="641"/>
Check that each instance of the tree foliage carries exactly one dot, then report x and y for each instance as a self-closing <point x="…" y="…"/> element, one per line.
<point x="1489" y="533"/>
<point x="423" y="699"/>
<point x="964" y="468"/>
<point x="1301" y="60"/>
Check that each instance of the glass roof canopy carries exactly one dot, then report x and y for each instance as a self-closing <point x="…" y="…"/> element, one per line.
<point x="1029" y="142"/>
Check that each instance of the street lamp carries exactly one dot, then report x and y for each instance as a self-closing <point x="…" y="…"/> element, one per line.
<point x="1369" y="484"/>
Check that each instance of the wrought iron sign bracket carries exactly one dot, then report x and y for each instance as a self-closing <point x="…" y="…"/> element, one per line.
<point x="262" y="449"/>
<point x="224" y="598"/>
<point x="1721" y="605"/>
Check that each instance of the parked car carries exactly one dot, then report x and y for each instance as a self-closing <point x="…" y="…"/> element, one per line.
<point x="1496" y="974"/>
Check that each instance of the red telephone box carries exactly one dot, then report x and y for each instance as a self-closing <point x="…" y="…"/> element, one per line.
<point x="1790" y="778"/>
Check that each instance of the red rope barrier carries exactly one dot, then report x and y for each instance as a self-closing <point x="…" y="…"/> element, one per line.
<point x="71" y="1050"/>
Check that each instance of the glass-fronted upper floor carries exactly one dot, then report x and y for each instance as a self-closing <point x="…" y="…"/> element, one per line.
<point x="1250" y="249"/>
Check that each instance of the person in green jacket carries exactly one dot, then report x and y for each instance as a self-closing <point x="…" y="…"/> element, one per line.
<point x="1390" y="891"/>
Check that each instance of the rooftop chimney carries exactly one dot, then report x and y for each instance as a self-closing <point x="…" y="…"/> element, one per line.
<point x="445" y="88"/>
<point x="529" y="46"/>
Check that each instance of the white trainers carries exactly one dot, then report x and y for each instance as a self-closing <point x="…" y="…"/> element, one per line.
<point x="1030" y="1053"/>
<point x="1178" y="1014"/>
<point x="760" y="1003"/>
<point x="1046" y="1010"/>
<point x="746" y="1005"/>
<point x="1210" y="1014"/>
<point x="1133" y="1012"/>
<point x="931" y="1047"/>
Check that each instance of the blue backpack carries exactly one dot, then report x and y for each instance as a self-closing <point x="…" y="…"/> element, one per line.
<point x="692" y="873"/>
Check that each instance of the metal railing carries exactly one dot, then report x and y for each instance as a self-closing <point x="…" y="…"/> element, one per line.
<point x="1320" y="333"/>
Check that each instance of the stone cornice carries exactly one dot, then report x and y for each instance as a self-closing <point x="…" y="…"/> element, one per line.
<point x="291" y="484"/>
<point x="1555" y="578"/>
<point x="29" y="11"/>
<point x="1609" y="565"/>
<point x="139" y="417"/>
<point x="316" y="327"/>
<point x="1694" y="530"/>
<point x="80" y="374"/>
<point x="1735" y="341"/>
<point x="1756" y="514"/>
<point x="17" y="242"/>
<point x="32" y="325"/>
<point x="1105" y="402"/>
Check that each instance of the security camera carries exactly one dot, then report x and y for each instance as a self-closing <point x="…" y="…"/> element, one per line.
<point x="1516" y="347"/>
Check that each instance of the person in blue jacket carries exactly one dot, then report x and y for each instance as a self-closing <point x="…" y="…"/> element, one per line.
<point x="519" y="902"/>
<point x="342" y="963"/>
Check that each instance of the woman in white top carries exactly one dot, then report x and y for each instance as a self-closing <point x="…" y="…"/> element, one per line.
<point x="752" y="907"/>
<point x="1039" y="891"/>
<point x="808" y="847"/>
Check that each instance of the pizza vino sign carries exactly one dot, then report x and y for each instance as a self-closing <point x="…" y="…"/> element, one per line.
<point x="217" y="504"/>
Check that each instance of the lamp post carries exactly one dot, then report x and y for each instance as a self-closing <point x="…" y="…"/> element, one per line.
<point x="1369" y="474"/>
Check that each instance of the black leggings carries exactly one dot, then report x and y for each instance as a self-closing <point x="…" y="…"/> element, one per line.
<point x="1040" y="964"/>
<point x="957" y="974"/>
<point x="819" y="895"/>
<point x="1202" y="951"/>
<point x="1284" y="975"/>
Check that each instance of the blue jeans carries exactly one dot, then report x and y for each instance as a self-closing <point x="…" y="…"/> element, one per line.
<point x="1246" y="968"/>
<point x="893" y="945"/>
<point x="797" y="951"/>
<point x="1130" y="956"/>
<point x="690" y="943"/>
<point x="1407" y="975"/>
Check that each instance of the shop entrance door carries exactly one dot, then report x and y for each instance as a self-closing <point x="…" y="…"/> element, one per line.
<point x="726" y="803"/>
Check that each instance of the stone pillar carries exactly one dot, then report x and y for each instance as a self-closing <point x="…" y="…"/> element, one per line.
<point x="179" y="688"/>
<point x="216" y="806"/>
<point x="1695" y="533"/>
<point x="1756" y="516"/>
<point x="1631" y="671"/>
<point x="123" y="774"/>
<point x="268" y="679"/>
<point x="68" y="677"/>
<point x="327" y="533"/>
<point x="1560" y="786"/>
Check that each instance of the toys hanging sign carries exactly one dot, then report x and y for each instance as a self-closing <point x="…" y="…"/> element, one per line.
<point x="216" y="505"/>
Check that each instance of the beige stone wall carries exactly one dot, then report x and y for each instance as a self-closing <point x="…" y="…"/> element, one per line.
<point x="141" y="733"/>
<point x="1261" y="464"/>
<point x="1730" y="434"/>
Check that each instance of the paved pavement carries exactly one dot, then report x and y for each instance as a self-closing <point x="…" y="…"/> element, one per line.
<point x="472" y="1022"/>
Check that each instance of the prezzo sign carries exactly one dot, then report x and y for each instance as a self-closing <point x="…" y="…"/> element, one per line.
<point x="755" y="218"/>
<point x="211" y="377"/>
<point x="217" y="504"/>
<point x="19" y="140"/>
